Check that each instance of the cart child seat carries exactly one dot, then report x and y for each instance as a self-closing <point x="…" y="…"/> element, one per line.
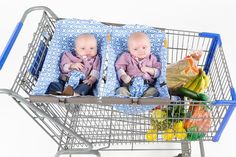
<point x="118" y="45"/>
<point x="63" y="41"/>
<point x="119" y="37"/>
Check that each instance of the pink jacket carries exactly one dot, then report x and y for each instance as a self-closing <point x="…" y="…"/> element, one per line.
<point x="127" y="64"/>
<point x="91" y="64"/>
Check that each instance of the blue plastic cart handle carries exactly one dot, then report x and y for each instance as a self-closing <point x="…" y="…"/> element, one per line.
<point x="10" y="44"/>
<point x="216" y="41"/>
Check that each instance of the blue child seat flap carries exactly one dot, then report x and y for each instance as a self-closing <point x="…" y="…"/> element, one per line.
<point x="63" y="41"/>
<point x="118" y="45"/>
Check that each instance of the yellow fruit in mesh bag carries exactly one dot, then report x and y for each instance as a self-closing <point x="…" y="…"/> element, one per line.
<point x="180" y="133"/>
<point x="151" y="135"/>
<point x="158" y="115"/>
<point x="168" y="135"/>
<point x="178" y="125"/>
<point x="163" y="125"/>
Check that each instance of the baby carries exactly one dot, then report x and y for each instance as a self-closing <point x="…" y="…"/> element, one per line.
<point x="79" y="69"/>
<point x="138" y="69"/>
<point x="82" y="68"/>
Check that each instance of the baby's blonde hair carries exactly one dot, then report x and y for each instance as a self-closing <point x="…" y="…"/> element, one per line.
<point x="138" y="35"/>
<point x="86" y="36"/>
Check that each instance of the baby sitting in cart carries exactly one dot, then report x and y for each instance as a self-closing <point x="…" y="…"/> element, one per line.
<point x="79" y="68"/>
<point x="138" y="68"/>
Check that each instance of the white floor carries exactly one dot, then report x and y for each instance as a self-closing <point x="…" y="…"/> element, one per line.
<point x="20" y="136"/>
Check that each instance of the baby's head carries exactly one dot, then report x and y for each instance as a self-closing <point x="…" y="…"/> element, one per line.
<point x="86" y="45"/>
<point x="139" y="45"/>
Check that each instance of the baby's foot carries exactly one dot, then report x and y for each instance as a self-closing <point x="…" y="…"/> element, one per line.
<point x="123" y="91"/>
<point x="68" y="91"/>
<point x="151" y="91"/>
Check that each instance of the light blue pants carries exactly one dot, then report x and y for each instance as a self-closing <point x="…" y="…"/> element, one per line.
<point x="137" y="87"/>
<point x="74" y="78"/>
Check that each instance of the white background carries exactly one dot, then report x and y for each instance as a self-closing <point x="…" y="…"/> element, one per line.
<point x="20" y="136"/>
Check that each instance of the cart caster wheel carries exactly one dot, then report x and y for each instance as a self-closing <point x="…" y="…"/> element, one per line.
<point x="66" y="148"/>
<point x="179" y="155"/>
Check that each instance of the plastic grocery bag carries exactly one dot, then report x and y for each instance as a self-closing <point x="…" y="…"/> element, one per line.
<point x="179" y="73"/>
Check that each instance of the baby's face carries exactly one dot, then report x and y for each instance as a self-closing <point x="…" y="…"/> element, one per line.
<point x="86" y="46"/>
<point x="139" y="46"/>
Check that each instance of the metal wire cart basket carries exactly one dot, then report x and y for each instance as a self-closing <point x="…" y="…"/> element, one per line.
<point x="88" y="125"/>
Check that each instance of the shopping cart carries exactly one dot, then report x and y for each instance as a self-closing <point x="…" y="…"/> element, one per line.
<point x="89" y="125"/>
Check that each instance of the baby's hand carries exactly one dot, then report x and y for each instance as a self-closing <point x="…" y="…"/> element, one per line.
<point x="148" y="70"/>
<point x="90" y="81"/>
<point x="77" y="66"/>
<point x="145" y="69"/>
<point x="125" y="78"/>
